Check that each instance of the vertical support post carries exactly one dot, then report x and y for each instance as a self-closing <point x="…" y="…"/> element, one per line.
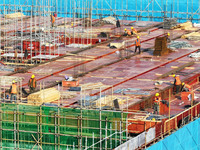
<point x="110" y="136"/>
<point x="15" y="131"/>
<point x="115" y="133"/>
<point x="100" y="122"/>
<point x="169" y="106"/>
<point x="106" y="132"/>
<point x="93" y="141"/>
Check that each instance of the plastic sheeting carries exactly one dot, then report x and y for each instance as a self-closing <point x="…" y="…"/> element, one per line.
<point x="138" y="141"/>
<point x="186" y="138"/>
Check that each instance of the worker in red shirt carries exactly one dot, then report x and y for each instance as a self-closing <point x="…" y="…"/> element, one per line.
<point x="185" y="87"/>
<point x="177" y="83"/>
<point x="137" y="44"/>
<point x="157" y="101"/>
<point x="32" y="84"/>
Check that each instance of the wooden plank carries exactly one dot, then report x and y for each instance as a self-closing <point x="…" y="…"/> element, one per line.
<point x="43" y="96"/>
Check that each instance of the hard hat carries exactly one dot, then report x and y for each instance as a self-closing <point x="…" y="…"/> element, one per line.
<point x="125" y="29"/>
<point x="153" y="119"/>
<point x="157" y="94"/>
<point x="174" y="75"/>
<point x="138" y="37"/>
<point x="33" y="76"/>
<point x="13" y="81"/>
<point x="168" y="34"/>
<point x="131" y="27"/>
<point x="183" y="83"/>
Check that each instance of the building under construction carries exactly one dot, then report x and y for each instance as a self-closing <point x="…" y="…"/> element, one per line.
<point x="94" y="90"/>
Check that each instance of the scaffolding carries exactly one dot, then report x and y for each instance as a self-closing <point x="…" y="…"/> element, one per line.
<point x="32" y="29"/>
<point x="24" y="126"/>
<point x="41" y="127"/>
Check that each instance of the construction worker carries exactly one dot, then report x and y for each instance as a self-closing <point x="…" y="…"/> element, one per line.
<point x="52" y="20"/>
<point x="185" y="87"/>
<point x="127" y="32"/>
<point x="177" y="83"/>
<point x="157" y="102"/>
<point x="32" y="83"/>
<point x="117" y="23"/>
<point x="168" y="39"/>
<point x="25" y="54"/>
<point x="133" y="31"/>
<point x="13" y="92"/>
<point x="137" y="44"/>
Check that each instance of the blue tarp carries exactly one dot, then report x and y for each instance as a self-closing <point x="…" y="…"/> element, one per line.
<point x="125" y="8"/>
<point x="186" y="138"/>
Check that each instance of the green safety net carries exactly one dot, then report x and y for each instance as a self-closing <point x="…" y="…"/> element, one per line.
<point x="29" y="127"/>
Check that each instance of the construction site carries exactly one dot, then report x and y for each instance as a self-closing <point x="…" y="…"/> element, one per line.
<point x="99" y="74"/>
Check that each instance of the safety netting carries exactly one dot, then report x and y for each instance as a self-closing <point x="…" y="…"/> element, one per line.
<point x="32" y="127"/>
<point x="186" y="138"/>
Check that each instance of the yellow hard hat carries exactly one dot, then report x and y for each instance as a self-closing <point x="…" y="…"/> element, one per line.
<point x="168" y="34"/>
<point x="72" y="24"/>
<point x="157" y="94"/>
<point x="125" y="29"/>
<point x="174" y="75"/>
<point x="183" y="83"/>
<point x="131" y="27"/>
<point x="33" y="76"/>
<point x="153" y="119"/>
<point x="138" y="37"/>
<point x="13" y="81"/>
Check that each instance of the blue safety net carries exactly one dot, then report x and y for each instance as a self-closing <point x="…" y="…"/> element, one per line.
<point x="186" y="138"/>
<point x="147" y="10"/>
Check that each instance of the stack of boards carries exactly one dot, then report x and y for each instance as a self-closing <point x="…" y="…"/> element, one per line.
<point x="43" y="96"/>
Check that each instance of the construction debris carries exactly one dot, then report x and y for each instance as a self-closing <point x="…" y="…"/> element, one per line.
<point x="117" y="44"/>
<point x="191" y="36"/>
<point x="179" y="45"/>
<point x="109" y="20"/>
<point x="14" y="15"/>
<point x="98" y="23"/>
<point x="169" y="23"/>
<point x="43" y="96"/>
<point x="184" y="26"/>
<point x="90" y="86"/>
<point x="195" y="55"/>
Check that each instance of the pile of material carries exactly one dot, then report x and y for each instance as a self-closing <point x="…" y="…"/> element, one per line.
<point x="68" y="95"/>
<point x="160" y="46"/>
<point x="179" y="44"/>
<point x="107" y="101"/>
<point x="43" y="96"/>
<point x="109" y="20"/>
<point x="191" y="36"/>
<point x="14" y="15"/>
<point x="195" y="55"/>
<point x="90" y="86"/>
<point x="117" y="44"/>
<point x="98" y="23"/>
<point x="169" y="23"/>
<point x="184" y="26"/>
